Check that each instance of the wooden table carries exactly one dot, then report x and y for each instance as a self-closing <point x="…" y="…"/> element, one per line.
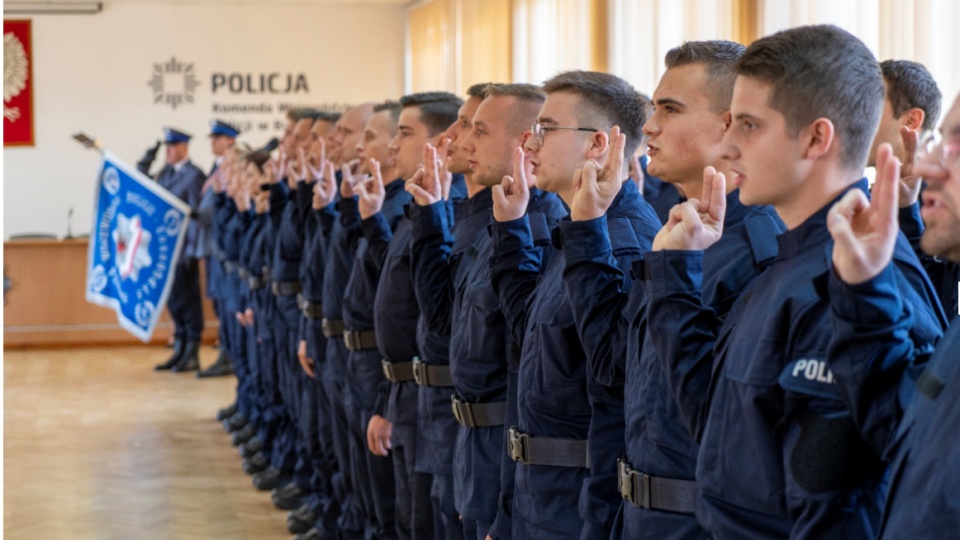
<point x="46" y="304"/>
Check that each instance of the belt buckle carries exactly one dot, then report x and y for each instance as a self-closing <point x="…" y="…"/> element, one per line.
<point x="454" y="404"/>
<point x="463" y="412"/>
<point x="419" y="372"/>
<point x="387" y="368"/>
<point x="624" y="483"/>
<point x="517" y="446"/>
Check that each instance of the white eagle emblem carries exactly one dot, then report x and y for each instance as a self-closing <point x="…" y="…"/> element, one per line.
<point x="14" y="73"/>
<point x="132" y="244"/>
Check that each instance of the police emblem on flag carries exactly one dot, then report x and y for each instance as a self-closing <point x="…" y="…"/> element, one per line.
<point x="139" y="231"/>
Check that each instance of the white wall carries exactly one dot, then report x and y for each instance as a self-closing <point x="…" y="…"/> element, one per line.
<point x="91" y="72"/>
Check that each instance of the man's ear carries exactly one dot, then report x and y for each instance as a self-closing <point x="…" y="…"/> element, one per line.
<point x="912" y="118"/>
<point x="818" y="138"/>
<point x="599" y="145"/>
<point x="727" y="120"/>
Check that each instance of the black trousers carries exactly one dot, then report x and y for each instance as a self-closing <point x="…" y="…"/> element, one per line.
<point x="185" y="304"/>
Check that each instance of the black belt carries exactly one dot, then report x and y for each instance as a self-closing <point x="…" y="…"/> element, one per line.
<point x="478" y="414"/>
<point x="255" y="282"/>
<point x="359" y="341"/>
<point x="431" y="375"/>
<point x="231" y="267"/>
<point x="242" y="272"/>
<point x="332" y="328"/>
<point x="285" y="288"/>
<point x="651" y="492"/>
<point x="311" y="310"/>
<point x="397" y="372"/>
<point x="553" y="452"/>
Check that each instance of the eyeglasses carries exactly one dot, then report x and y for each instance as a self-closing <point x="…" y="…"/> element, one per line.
<point x="932" y="144"/>
<point x="539" y="130"/>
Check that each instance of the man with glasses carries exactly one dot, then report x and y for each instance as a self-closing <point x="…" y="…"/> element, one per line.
<point x="873" y="323"/>
<point x="558" y="397"/>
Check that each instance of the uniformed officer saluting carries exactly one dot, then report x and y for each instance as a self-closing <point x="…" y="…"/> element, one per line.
<point x="782" y="450"/>
<point x="185" y="180"/>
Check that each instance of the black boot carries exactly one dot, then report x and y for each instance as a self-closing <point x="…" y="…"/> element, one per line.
<point x="178" y="347"/>
<point x="219" y="368"/>
<point x="190" y="360"/>
<point x="227" y="412"/>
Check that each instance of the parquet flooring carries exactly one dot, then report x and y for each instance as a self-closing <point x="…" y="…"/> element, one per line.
<point x="99" y="446"/>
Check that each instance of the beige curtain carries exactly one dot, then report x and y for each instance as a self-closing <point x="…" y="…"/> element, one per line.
<point x="485" y="42"/>
<point x="430" y="45"/>
<point x="550" y="36"/>
<point x="924" y="31"/>
<point x="642" y="31"/>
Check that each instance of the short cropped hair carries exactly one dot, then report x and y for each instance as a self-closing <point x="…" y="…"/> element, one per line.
<point x="310" y="114"/>
<point x="523" y="92"/>
<point x="821" y="71"/>
<point x="437" y="109"/>
<point x="529" y="100"/>
<point x="295" y="114"/>
<point x="719" y="58"/>
<point x="477" y="90"/>
<point x="607" y="100"/>
<point x="393" y="109"/>
<point x="910" y="85"/>
<point x="328" y="116"/>
<point x="257" y="157"/>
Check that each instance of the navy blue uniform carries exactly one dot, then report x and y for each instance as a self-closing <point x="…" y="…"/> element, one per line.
<point x="366" y="382"/>
<point x="231" y="238"/>
<point x="873" y="332"/>
<point x="612" y="326"/>
<point x="301" y="396"/>
<point x="249" y="387"/>
<point x="558" y="398"/>
<point x="264" y="312"/>
<point x="339" y="248"/>
<point x="185" y="303"/>
<point x="780" y="454"/>
<point x="452" y="280"/>
<point x="314" y="409"/>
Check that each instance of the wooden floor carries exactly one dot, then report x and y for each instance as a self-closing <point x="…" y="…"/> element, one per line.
<point x="97" y="445"/>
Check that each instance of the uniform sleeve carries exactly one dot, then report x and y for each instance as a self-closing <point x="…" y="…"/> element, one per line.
<point x="868" y="352"/>
<point x="516" y="264"/>
<point x="594" y="285"/>
<point x="430" y="254"/>
<point x="682" y="329"/>
<point x="278" y="200"/>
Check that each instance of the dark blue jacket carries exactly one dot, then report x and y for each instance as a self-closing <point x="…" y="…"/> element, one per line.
<point x="288" y="249"/>
<point x="186" y="184"/>
<point x="317" y="225"/>
<point x="339" y="249"/>
<point x="781" y="451"/>
<point x="252" y="244"/>
<point x="359" y="314"/>
<point x="558" y="395"/>
<point x="612" y="326"/>
<point x="872" y="331"/>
